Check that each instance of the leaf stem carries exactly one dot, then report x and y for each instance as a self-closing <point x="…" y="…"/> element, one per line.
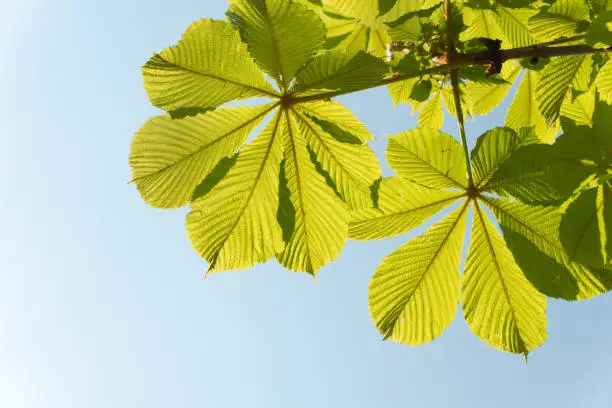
<point x="451" y="54"/>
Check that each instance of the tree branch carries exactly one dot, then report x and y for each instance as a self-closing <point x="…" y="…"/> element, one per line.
<point x="469" y="59"/>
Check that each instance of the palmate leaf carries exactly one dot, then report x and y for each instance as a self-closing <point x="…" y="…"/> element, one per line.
<point x="557" y="79"/>
<point x="532" y="234"/>
<point x="336" y="70"/>
<point x="487" y="96"/>
<point x="428" y="157"/>
<point x="192" y="74"/>
<point x="352" y="167"/>
<point x="524" y="111"/>
<point x="586" y="226"/>
<point x="499" y="303"/>
<point x="564" y="18"/>
<point x="170" y="157"/>
<point x="286" y="193"/>
<point x="402" y="206"/>
<point x="281" y="35"/>
<point x="234" y="226"/>
<point x="319" y="231"/>
<point x="415" y="291"/>
<point x="603" y="82"/>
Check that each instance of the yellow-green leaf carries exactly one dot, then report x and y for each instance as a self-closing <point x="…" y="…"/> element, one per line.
<point x="193" y="74"/>
<point x="352" y="167"/>
<point x="414" y="293"/>
<point x="499" y="304"/>
<point x="320" y="226"/>
<point x="402" y="206"/>
<point x="281" y="35"/>
<point x="170" y="157"/>
<point x="235" y="225"/>
<point x="427" y="157"/>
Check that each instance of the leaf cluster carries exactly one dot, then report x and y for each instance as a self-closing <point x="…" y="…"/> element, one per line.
<point x="293" y="177"/>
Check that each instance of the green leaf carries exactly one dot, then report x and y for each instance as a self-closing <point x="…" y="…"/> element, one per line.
<point x="532" y="234"/>
<point x="565" y="18"/>
<point x="192" y="74"/>
<point x="234" y="226"/>
<point x="321" y="218"/>
<point x="603" y="82"/>
<point x="432" y="115"/>
<point x="525" y="175"/>
<point x="524" y="112"/>
<point x="599" y="34"/>
<point x="586" y="225"/>
<point x="499" y="304"/>
<point x="481" y="23"/>
<point x="492" y="148"/>
<point x="579" y="109"/>
<point x="281" y="35"/>
<point x="487" y="96"/>
<point x="385" y="5"/>
<point x="556" y="80"/>
<point x="340" y="70"/>
<point x="353" y="168"/>
<point x="427" y="157"/>
<point x="414" y="293"/>
<point x="402" y="206"/>
<point x="339" y="116"/>
<point x="514" y="25"/>
<point x="170" y="157"/>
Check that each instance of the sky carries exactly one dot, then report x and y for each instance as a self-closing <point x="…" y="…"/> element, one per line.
<point x="103" y="302"/>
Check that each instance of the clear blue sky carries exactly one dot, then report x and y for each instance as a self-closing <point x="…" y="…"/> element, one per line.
<point x="103" y="302"/>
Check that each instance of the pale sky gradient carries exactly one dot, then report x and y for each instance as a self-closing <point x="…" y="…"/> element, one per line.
<point x="103" y="302"/>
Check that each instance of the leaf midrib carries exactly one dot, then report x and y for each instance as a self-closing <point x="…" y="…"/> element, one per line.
<point x="219" y="78"/>
<point x="340" y="163"/>
<point x="499" y="274"/>
<point x="299" y="187"/>
<point x="445" y="176"/>
<point x="264" y="162"/>
<point x="427" y="269"/>
<point x="206" y="146"/>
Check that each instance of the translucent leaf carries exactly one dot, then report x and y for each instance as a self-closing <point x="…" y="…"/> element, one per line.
<point x="524" y="112"/>
<point x="499" y="304"/>
<point x="281" y="35"/>
<point x="192" y="74"/>
<point x="481" y="23"/>
<point x="579" y="109"/>
<point x="599" y="34"/>
<point x="525" y="175"/>
<point x="170" y="157"/>
<point x="320" y="226"/>
<point x="562" y="19"/>
<point x="340" y="70"/>
<point x="427" y="157"/>
<point x="532" y="234"/>
<point x="604" y="83"/>
<point x="414" y="292"/>
<point x="339" y="116"/>
<point x="492" y="148"/>
<point x="351" y="167"/>
<point x="586" y="226"/>
<point x="235" y="225"/>
<point x="432" y="115"/>
<point x="487" y="96"/>
<point x="557" y="78"/>
<point x="514" y="25"/>
<point x="402" y="206"/>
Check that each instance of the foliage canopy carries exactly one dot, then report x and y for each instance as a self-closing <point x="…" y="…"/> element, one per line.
<point x="308" y="181"/>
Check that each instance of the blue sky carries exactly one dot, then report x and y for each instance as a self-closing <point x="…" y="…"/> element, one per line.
<point x="103" y="302"/>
